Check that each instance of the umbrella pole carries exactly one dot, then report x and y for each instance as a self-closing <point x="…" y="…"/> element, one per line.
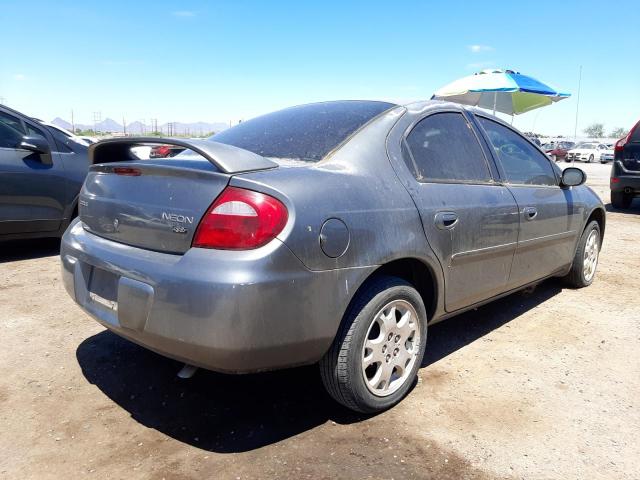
<point x="495" y="100"/>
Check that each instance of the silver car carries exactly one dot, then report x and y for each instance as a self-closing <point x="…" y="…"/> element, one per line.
<point x="330" y="233"/>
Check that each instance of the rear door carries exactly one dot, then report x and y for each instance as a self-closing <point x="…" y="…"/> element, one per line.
<point x="470" y="220"/>
<point x="550" y="216"/>
<point x="32" y="193"/>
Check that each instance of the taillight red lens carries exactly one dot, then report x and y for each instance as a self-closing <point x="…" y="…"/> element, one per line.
<point x="620" y="144"/>
<point x="240" y="219"/>
<point x="623" y="141"/>
<point x="128" y="171"/>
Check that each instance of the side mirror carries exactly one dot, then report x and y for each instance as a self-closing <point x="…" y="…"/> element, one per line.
<point x="39" y="145"/>
<point x="572" y="177"/>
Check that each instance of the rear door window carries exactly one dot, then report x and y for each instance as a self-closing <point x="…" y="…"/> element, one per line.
<point x="522" y="162"/>
<point x="443" y="147"/>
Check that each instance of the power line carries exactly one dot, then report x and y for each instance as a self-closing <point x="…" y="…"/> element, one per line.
<point x="575" y="129"/>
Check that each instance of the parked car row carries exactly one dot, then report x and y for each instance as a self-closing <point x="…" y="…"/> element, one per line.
<point x="586" y="152"/>
<point x="557" y="151"/>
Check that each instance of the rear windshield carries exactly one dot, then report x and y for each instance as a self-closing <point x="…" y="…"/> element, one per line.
<point x="307" y="132"/>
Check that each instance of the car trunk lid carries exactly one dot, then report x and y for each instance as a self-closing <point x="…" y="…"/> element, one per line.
<point x="157" y="204"/>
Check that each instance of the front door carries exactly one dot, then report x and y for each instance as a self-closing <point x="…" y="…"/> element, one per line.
<point x="471" y="221"/>
<point x="32" y="193"/>
<point x="550" y="216"/>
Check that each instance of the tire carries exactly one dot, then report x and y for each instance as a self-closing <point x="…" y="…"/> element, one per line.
<point x="566" y="159"/>
<point x="590" y="159"/>
<point x="621" y="200"/>
<point x="580" y="274"/>
<point x="341" y="367"/>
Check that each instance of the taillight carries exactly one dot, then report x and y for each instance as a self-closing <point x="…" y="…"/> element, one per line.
<point x="620" y="144"/>
<point x="623" y="141"/>
<point x="127" y="171"/>
<point x="240" y="219"/>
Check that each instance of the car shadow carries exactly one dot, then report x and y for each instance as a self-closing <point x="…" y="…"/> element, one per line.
<point x="237" y="413"/>
<point x="634" y="208"/>
<point x="14" y="250"/>
<point x="448" y="336"/>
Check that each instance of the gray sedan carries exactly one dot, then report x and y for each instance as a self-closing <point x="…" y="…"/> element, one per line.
<point x="41" y="172"/>
<point x="331" y="233"/>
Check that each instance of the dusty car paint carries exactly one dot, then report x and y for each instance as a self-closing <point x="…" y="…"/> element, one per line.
<point x="281" y="304"/>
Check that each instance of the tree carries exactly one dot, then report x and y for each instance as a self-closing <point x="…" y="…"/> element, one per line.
<point x="618" y="132"/>
<point x="595" y="130"/>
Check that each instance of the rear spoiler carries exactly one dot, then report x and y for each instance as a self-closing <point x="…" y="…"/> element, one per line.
<point x="227" y="158"/>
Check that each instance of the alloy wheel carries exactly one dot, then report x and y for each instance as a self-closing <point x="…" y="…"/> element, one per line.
<point x="390" y="348"/>
<point x="591" y="251"/>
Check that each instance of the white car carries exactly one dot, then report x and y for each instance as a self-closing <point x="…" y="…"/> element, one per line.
<point x="607" y="155"/>
<point x="586" y="152"/>
<point x="81" y="140"/>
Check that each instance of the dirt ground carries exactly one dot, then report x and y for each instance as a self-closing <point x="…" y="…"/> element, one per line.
<point x="542" y="385"/>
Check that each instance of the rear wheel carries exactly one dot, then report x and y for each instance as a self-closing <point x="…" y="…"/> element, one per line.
<point x="585" y="261"/>
<point x="621" y="200"/>
<point x="374" y="359"/>
<point x="590" y="159"/>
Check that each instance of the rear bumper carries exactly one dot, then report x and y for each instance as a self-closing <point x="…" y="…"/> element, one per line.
<point x="222" y="310"/>
<point x="627" y="182"/>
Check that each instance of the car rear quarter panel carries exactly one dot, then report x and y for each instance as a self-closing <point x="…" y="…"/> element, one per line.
<point x="357" y="185"/>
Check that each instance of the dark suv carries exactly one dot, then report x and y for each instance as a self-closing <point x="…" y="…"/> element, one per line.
<point x="625" y="172"/>
<point x="41" y="173"/>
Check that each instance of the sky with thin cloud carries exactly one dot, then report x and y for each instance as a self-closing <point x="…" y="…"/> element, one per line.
<point x="227" y="61"/>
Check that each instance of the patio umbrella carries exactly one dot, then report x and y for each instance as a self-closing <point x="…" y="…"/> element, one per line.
<point x="503" y="91"/>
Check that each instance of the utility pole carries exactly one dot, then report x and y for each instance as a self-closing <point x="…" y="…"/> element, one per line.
<point x="2" y="100"/>
<point x="124" y="126"/>
<point x="97" y="118"/>
<point x="575" y="128"/>
<point x="73" y="125"/>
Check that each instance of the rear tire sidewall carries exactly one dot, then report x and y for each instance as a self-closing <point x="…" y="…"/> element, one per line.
<point x="354" y="362"/>
<point x="579" y="258"/>
<point x="346" y="355"/>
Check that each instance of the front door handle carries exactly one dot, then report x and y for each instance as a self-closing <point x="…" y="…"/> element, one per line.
<point x="446" y="220"/>
<point x="530" y="213"/>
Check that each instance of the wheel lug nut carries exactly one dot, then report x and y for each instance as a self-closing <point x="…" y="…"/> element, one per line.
<point x="388" y="357"/>
<point x="390" y="336"/>
<point x="384" y="348"/>
<point x="397" y="338"/>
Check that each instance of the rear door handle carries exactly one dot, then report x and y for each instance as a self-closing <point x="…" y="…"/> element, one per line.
<point x="446" y="220"/>
<point x="530" y="213"/>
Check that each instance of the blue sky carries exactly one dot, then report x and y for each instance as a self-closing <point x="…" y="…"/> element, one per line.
<point x="230" y="60"/>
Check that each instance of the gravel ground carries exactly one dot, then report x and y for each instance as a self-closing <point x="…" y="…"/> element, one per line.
<point x="538" y="385"/>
